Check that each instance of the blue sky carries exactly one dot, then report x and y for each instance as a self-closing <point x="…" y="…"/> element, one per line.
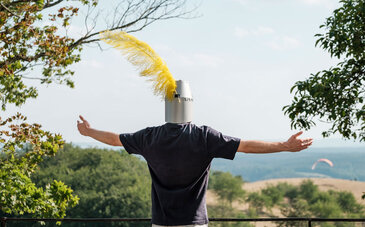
<point x="241" y="57"/>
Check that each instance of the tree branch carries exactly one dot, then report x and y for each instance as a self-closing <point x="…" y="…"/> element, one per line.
<point x="48" y="5"/>
<point x="9" y="11"/>
<point x="169" y="10"/>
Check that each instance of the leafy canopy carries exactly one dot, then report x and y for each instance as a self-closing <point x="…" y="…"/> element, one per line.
<point x="23" y="147"/>
<point x="33" y="47"/>
<point x="336" y="95"/>
<point x="110" y="184"/>
<point x="227" y="187"/>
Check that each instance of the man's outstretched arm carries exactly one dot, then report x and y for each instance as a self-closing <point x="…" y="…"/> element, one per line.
<point x="293" y="144"/>
<point x="109" y="138"/>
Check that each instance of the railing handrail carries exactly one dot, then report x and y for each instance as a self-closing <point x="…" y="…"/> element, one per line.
<point x="210" y="219"/>
<point x="4" y="220"/>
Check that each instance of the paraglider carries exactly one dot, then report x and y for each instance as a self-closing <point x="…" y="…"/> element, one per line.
<point x="322" y="160"/>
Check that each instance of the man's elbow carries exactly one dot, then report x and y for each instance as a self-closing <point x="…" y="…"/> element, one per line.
<point x="243" y="147"/>
<point x="116" y="141"/>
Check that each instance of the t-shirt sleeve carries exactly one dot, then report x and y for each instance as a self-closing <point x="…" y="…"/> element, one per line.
<point x="133" y="143"/>
<point x="221" y="146"/>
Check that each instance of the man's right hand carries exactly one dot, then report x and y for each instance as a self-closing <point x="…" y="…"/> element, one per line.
<point x="102" y="136"/>
<point x="295" y="144"/>
<point x="83" y="126"/>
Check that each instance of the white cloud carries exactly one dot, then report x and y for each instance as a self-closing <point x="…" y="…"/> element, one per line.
<point x="276" y="41"/>
<point x="91" y="64"/>
<point x="330" y="4"/>
<point x="240" y="32"/>
<point x="283" y="43"/>
<point x="259" y="31"/>
<point x="242" y="2"/>
<point x="75" y="31"/>
<point x="200" y="59"/>
<point x="263" y="31"/>
<point x="208" y="60"/>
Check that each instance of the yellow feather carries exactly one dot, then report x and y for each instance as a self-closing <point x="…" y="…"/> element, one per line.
<point x="145" y="58"/>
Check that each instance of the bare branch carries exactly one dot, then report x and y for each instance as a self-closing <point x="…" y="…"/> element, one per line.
<point x="9" y="11"/>
<point x="48" y="5"/>
<point x="31" y="78"/>
<point x="136" y="16"/>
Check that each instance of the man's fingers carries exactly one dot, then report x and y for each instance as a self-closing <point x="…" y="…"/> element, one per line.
<point x="82" y="118"/>
<point x="305" y="141"/>
<point x="307" y="144"/>
<point x="297" y="134"/>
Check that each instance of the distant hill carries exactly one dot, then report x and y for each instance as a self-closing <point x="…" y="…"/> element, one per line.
<point x="348" y="164"/>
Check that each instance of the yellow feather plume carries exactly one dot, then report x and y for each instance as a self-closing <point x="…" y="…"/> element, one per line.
<point x="145" y="58"/>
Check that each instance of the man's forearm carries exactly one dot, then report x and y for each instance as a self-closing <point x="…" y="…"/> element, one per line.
<point x="104" y="137"/>
<point x="293" y="144"/>
<point x="261" y="147"/>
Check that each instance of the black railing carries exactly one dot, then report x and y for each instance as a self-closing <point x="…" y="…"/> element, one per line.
<point x="5" y="220"/>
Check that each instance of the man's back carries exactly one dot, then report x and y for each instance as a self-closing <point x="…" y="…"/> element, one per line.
<point x="179" y="157"/>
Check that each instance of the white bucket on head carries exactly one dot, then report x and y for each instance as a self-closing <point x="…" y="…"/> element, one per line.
<point x="180" y="109"/>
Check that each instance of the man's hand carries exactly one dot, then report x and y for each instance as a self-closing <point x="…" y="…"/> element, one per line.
<point x="102" y="136"/>
<point x="295" y="144"/>
<point x="83" y="127"/>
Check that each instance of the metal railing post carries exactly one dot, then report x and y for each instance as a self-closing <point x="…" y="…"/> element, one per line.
<point x="309" y="222"/>
<point x="3" y="222"/>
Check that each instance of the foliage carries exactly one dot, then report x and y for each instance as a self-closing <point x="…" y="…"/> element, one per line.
<point x="297" y="208"/>
<point x="110" y="184"/>
<point x="274" y="194"/>
<point x="35" y="46"/>
<point x="222" y="210"/>
<point x="306" y="200"/>
<point x="23" y="147"/>
<point x="26" y="44"/>
<point x="336" y="95"/>
<point x="227" y="187"/>
<point x="31" y="38"/>
<point x="258" y="201"/>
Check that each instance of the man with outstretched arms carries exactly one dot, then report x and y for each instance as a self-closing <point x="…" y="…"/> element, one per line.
<point x="179" y="155"/>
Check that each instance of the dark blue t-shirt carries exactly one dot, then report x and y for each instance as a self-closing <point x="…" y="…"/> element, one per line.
<point x="179" y="157"/>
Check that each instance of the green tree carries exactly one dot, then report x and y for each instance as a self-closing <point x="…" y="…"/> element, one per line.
<point x="336" y="95"/>
<point x="347" y="202"/>
<point x="309" y="201"/>
<point x="227" y="187"/>
<point x="28" y="44"/>
<point x="18" y="194"/>
<point x="34" y="39"/>
<point x="259" y="201"/>
<point x="308" y="190"/>
<point x="110" y="183"/>
<point x="289" y="191"/>
<point x="274" y="194"/>
<point x="296" y="208"/>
